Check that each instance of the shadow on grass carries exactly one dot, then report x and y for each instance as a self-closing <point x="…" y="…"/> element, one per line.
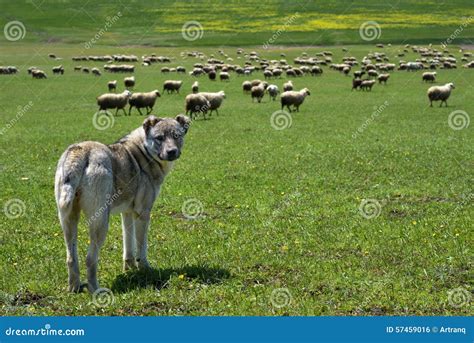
<point x="158" y="278"/>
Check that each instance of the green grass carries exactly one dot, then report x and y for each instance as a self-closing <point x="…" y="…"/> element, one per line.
<point x="238" y="22"/>
<point x="280" y="208"/>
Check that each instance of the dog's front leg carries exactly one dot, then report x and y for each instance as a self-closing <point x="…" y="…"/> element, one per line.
<point x="142" y="222"/>
<point x="128" y="232"/>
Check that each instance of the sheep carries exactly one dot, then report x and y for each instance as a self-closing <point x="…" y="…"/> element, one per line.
<point x="359" y="73"/>
<point x="267" y="73"/>
<point x="196" y="103"/>
<point x="140" y="100"/>
<point x="38" y="74"/>
<point x="295" y="98"/>
<point x="77" y="68"/>
<point x="316" y="71"/>
<point x="247" y="86"/>
<point x="112" y="85"/>
<point x="215" y="100"/>
<point x="258" y="92"/>
<point x="212" y="75"/>
<point x="356" y="84"/>
<point x="288" y="86"/>
<point x="367" y="85"/>
<point x="195" y="87"/>
<point x="429" y="76"/>
<point x="372" y="73"/>
<point x="383" y="78"/>
<point x="273" y="91"/>
<point x="111" y="100"/>
<point x="224" y="76"/>
<point x="58" y="70"/>
<point x="129" y="82"/>
<point x="171" y="86"/>
<point x="96" y="72"/>
<point x="85" y="70"/>
<point x="442" y="93"/>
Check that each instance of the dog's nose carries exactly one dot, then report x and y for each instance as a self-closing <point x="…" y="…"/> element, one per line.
<point x="172" y="153"/>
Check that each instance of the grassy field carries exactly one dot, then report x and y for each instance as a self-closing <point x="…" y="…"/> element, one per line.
<point x="239" y="22"/>
<point x="281" y="231"/>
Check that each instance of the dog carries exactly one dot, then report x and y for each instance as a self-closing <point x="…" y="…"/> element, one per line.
<point x="124" y="177"/>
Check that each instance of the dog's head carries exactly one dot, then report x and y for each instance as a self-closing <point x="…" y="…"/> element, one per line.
<point x="164" y="137"/>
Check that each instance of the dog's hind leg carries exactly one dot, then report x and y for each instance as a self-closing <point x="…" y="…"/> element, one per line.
<point x="98" y="226"/>
<point x="128" y="231"/>
<point x="69" y="222"/>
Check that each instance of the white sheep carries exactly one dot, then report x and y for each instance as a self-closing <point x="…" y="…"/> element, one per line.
<point x="96" y="71"/>
<point x="143" y="100"/>
<point x="215" y="100"/>
<point x="273" y="91"/>
<point x="171" y="86"/>
<point x="295" y="98"/>
<point x="367" y="85"/>
<point x="429" y="76"/>
<point x="224" y="76"/>
<point x="196" y="103"/>
<point x="440" y="93"/>
<point x="129" y="82"/>
<point x="246" y="86"/>
<point x="111" y="100"/>
<point x="288" y="86"/>
<point x="112" y="85"/>
<point x="258" y="92"/>
<point x="195" y="87"/>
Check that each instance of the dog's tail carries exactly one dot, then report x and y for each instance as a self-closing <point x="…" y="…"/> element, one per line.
<point x="68" y="177"/>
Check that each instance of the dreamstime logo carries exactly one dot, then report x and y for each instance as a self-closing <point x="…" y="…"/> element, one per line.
<point x="103" y="120"/>
<point x="192" y="209"/>
<point x="370" y="30"/>
<point x="14" y="208"/>
<point x="280" y="30"/>
<point x="21" y="111"/>
<point x="281" y="120"/>
<point x="377" y="111"/>
<point x="458" y="120"/>
<point x="103" y="297"/>
<point x="109" y="22"/>
<point x="192" y="30"/>
<point x="457" y="32"/>
<point x="459" y="297"/>
<point x="280" y="297"/>
<point x="14" y="31"/>
<point x="370" y="208"/>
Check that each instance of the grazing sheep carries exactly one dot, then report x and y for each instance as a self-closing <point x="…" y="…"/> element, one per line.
<point x="372" y="73"/>
<point x="171" y="86"/>
<point x="143" y="100"/>
<point x="316" y="71"/>
<point x="195" y="87"/>
<point x="58" y="70"/>
<point x="111" y="100"/>
<point x="429" y="76"/>
<point x="224" y="76"/>
<point x="288" y="86"/>
<point x="212" y="75"/>
<point x="77" y="68"/>
<point x="273" y="91"/>
<point x="367" y="85"/>
<point x="96" y="72"/>
<point x="295" y="98"/>
<point x="112" y="85"/>
<point x="359" y="73"/>
<point x="38" y="74"/>
<point x="196" y="103"/>
<point x="383" y="78"/>
<point x="356" y="84"/>
<point x="129" y="82"/>
<point x="267" y="73"/>
<point x="247" y="86"/>
<point x="258" y="92"/>
<point x="215" y="100"/>
<point x="85" y="70"/>
<point x="440" y="93"/>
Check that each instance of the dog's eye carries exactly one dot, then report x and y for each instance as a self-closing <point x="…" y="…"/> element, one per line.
<point x="160" y="137"/>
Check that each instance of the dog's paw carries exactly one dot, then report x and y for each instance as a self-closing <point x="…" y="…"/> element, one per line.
<point x="129" y="264"/>
<point x="143" y="264"/>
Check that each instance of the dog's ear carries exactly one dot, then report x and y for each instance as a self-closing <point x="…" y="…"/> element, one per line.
<point x="184" y="121"/>
<point x="150" y="122"/>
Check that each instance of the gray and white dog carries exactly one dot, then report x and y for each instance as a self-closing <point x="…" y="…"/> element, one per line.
<point x="124" y="177"/>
